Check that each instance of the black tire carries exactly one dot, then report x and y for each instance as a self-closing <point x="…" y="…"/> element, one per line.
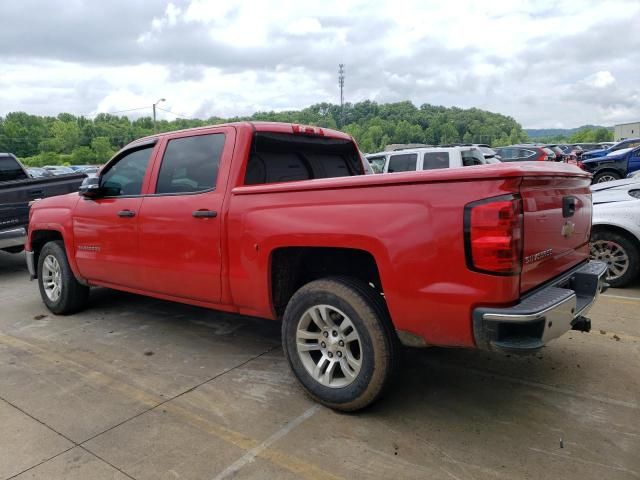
<point x="599" y="177"/>
<point x="629" y="248"/>
<point x="378" y="345"/>
<point x="73" y="295"/>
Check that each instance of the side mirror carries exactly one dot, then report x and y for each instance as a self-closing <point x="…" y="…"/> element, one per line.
<point x="90" y="187"/>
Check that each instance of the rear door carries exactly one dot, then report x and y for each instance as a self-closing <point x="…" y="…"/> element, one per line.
<point x="557" y="223"/>
<point x="180" y="220"/>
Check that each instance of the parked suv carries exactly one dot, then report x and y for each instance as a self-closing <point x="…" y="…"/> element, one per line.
<point x="431" y="158"/>
<point x="628" y="143"/>
<point x="614" y="166"/>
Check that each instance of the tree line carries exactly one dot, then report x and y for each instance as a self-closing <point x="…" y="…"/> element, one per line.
<point x="584" y="135"/>
<point x="70" y="139"/>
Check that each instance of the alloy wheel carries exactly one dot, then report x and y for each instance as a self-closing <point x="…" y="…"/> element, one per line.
<point x="52" y="278"/>
<point x="613" y="254"/>
<point x="329" y="346"/>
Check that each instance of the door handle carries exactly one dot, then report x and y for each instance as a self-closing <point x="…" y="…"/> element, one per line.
<point x="126" y="213"/>
<point x="204" y="214"/>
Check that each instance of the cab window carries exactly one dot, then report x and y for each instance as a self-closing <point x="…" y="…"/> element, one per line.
<point x="405" y="162"/>
<point x="10" y="170"/>
<point x="190" y="164"/>
<point x="435" y="160"/>
<point x="125" y="177"/>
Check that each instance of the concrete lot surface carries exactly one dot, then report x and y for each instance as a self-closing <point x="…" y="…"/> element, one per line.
<point x="145" y="389"/>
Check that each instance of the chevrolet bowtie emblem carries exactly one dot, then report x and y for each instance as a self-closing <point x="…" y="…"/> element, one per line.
<point x="568" y="228"/>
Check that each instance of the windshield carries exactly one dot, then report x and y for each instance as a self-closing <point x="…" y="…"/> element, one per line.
<point x="487" y="150"/>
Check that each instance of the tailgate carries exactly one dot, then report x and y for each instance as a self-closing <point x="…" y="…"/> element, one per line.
<point x="557" y="224"/>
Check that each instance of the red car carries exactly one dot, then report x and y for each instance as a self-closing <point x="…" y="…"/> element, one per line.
<point x="279" y="221"/>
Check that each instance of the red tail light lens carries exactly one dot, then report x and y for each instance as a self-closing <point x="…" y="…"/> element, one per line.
<point x="493" y="235"/>
<point x="306" y="130"/>
<point x="543" y="157"/>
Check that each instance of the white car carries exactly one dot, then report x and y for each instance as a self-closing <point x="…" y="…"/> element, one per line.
<point x="428" y="158"/>
<point x="615" y="235"/>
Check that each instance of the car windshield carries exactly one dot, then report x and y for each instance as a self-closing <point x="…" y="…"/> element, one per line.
<point x="487" y="150"/>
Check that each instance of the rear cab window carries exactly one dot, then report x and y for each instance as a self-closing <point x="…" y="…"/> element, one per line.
<point x="280" y="157"/>
<point x="10" y="170"/>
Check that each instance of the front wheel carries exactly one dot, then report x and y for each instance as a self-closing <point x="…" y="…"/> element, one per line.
<point x="338" y="340"/>
<point x="606" y="177"/>
<point x="59" y="289"/>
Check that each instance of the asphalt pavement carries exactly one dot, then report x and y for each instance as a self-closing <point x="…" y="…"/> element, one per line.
<point x="140" y="388"/>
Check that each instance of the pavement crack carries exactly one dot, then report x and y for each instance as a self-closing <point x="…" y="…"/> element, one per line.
<point x="38" y="420"/>
<point x="106" y="461"/>
<point x="190" y="389"/>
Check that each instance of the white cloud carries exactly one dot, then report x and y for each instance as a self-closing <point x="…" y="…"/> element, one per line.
<point x="600" y="79"/>
<point x="303" y="26"/>
<point x="543" y="62"/>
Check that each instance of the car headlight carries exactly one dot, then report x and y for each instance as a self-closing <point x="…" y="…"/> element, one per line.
<point x="635" y="193"/>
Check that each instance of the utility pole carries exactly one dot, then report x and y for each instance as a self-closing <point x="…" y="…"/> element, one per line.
<point x="154" y="112"/>
<point x="341" y="85"/>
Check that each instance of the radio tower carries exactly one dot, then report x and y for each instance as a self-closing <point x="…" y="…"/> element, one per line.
<point x="341" y="85"/>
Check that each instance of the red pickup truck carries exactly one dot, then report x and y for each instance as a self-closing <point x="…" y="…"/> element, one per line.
<point x="279" y="221"/>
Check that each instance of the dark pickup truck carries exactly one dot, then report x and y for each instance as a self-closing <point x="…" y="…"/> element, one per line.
<point x="17" y="190"/>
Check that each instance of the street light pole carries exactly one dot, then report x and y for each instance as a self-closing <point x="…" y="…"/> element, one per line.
<point x="154" y="112"/>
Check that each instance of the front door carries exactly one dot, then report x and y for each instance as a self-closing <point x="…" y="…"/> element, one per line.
<point x="180" y="222"/>
<point x="105" y="229"/>
<point x="634" y="161"/>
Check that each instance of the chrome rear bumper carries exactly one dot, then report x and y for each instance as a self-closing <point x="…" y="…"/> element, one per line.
<point x="543" y="315"/>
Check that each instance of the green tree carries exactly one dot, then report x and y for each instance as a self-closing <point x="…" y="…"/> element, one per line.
<point x="82" y="156"/>
<point x="102" y="149"/>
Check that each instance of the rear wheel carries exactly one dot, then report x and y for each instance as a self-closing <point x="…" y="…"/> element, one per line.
<point x="619" y="253"/>
<point x="337" y="338"/>
<point x="606" y="177"/>
<point x="59" y="289"/>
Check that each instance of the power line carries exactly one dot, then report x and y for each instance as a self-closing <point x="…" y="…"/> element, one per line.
<point x="178" y="115"/>
<point x="111" y="113"/>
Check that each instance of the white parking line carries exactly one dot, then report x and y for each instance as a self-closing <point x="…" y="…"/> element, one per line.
<point x="621" y="296"/>
<point x="250" y="456"/>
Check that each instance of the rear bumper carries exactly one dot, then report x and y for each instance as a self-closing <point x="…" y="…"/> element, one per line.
<point x="543" y="315"/>
<point x="14" y="237"/>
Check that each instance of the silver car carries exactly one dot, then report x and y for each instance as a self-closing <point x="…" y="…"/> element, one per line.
<point x="615" y="236"/>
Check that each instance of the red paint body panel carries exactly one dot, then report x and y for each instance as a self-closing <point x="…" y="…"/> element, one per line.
<point x="411" y="223"/>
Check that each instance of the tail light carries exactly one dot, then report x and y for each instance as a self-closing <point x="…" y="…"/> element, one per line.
<point x="493" y="235"/>
<point x="580" y="164"/>
<point x="543" y="156"/>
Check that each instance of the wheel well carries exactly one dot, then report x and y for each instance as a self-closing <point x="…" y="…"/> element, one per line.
<point x="618" y="230"/>
<point x="40" y="238"/>
<point x="293" y="267"/>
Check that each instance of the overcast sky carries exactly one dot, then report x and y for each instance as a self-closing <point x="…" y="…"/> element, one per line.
<point x="546" y="63"/>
